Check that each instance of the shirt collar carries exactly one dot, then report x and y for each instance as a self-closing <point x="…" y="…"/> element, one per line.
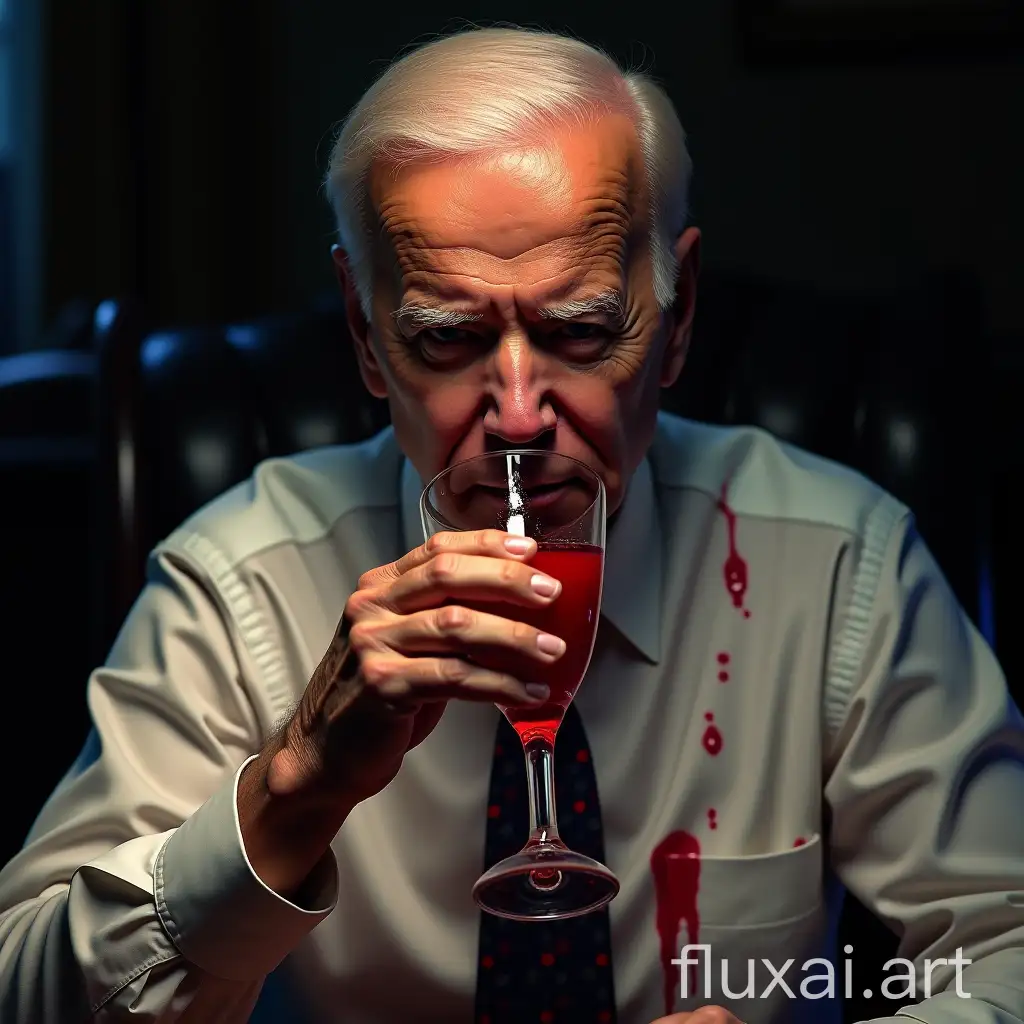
<point x="634" y="564"/>
<point x="631" y="600"/>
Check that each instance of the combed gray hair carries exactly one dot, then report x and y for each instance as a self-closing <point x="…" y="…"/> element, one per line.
<point x="482" y="90"/>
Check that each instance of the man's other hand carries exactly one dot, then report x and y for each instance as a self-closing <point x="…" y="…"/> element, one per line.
<point x="703" y="1015"/>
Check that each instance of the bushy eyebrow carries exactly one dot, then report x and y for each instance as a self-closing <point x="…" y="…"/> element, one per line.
<point x="422" y="317"/>
<point x="417" y="316"/>
<point x="608" y="303"/>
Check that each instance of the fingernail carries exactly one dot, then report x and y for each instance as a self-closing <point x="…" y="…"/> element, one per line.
<point x="537" y="690"/>
<point x="549" y="644"/>
<point x="518" y="545"/>
<point x="545" y="585"/>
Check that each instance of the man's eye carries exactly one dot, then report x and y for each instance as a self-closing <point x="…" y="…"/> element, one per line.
<point x="581" y="331"/>
<point x="444" y="346"/>
<point x="447" y="335"/>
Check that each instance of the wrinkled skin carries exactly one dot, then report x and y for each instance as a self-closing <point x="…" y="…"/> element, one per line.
<point x="501" y="238"/>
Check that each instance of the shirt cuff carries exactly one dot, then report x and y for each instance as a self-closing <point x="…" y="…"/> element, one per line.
<point x="217" y="910"/>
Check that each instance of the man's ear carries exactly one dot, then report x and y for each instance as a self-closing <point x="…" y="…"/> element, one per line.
<point x="358" y="325"/>
<point x="680" y="316"/>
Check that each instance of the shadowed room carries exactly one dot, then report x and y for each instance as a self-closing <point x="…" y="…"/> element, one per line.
<point x="171" y="318"/>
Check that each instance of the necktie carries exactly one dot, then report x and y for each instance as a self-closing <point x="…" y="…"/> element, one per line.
<point x="550" y="972"/>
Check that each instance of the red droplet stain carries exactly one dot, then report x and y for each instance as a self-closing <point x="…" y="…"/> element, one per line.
<point x="723" y="677"/>
<point x="735" y="569"/>
<point x="723" y="658"/>
<point x="746" y="613"/>
<point x="546" y="1016"/>
<point x="709" y="716"/>
<point x="487" y="961"/>
<point x="675" y="864"/>
<point x="604" y="1016"/>
<point x="712" y="740"/>
<point x="582" y="756"/>
<point x="579" y="807"/>
<point x="547" y="959"/>
<point x="494" y="811"/>
<point x="799" y="841"/>
<point x="712" y="818"/>
<point x="601" y="959"/>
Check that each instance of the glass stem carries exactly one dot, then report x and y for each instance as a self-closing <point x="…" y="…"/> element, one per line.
<point x="540" y="777"/>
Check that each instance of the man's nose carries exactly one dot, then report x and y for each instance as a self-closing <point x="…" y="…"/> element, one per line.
<point x="519" y="411"/>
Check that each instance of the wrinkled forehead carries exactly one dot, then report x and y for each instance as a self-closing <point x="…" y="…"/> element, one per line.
<point x="582" y="183"/>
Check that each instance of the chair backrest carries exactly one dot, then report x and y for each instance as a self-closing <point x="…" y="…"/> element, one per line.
<point x="47" y="460"/>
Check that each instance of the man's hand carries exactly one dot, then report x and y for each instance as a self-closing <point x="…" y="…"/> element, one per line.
<point x="702" y="1015"/>
<point x="406" y="645"/>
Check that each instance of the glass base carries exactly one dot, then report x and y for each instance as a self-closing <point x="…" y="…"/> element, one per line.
<point x="546" y="881"/>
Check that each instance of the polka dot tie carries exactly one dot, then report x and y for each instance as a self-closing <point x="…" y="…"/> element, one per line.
<point x="550" y="972"/>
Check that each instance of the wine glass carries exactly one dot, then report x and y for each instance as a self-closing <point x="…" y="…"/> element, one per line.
<point x="561" y="504"/>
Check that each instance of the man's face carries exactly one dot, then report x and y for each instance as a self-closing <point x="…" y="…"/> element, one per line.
<point x="513" y="305"/>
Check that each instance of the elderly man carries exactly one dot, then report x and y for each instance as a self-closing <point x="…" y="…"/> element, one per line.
<point x="783" y="692"/>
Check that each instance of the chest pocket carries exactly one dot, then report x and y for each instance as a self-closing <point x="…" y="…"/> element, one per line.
<point x="749" y="910"/>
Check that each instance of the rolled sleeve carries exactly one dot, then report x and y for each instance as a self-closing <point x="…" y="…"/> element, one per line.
<point x="214" y="906"/>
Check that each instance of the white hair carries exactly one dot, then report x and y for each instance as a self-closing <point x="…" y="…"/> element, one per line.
<point x="484" y="90"/>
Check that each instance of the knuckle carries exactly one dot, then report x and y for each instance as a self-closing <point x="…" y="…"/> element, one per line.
<point x="510" y="572"/>
<point x="368" y="579"/>
<point x="444" y="567"/>
<point x="453" y="670"/>
<point x="376" y="673"/>
<point x="510" y="684"/>
<point x="489" y="540"/>
<point x="523" y="633"/>
<point x="358" y="603"/>
<point x="453" y="620"/>
<point x="436" y="543"/>
<point x="359" y="636"/>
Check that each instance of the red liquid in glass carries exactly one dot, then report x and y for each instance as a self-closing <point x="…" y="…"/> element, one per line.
<point x="573" y="616"/>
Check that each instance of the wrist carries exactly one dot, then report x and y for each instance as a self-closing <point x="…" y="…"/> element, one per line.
<point x="285" y="834"/>
<point x="298" y="772"/>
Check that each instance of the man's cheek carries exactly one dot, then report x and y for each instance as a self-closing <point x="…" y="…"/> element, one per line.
<point x="451" y="409"/>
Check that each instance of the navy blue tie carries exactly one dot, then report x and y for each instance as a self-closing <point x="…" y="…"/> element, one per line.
<point x="550" y="972"/>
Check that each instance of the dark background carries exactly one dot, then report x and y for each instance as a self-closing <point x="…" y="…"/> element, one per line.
<point x="181" y="145"/>
<point x="186" y="143"/>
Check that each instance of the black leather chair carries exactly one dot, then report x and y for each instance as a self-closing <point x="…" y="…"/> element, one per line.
<point x="47" y="459"/>
<point x="888" y="385"/>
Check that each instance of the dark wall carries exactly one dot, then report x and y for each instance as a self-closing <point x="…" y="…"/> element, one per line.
<point x="164" y="155"/>
<point x="854" y="176"/>
<point x="189" y="138"/>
